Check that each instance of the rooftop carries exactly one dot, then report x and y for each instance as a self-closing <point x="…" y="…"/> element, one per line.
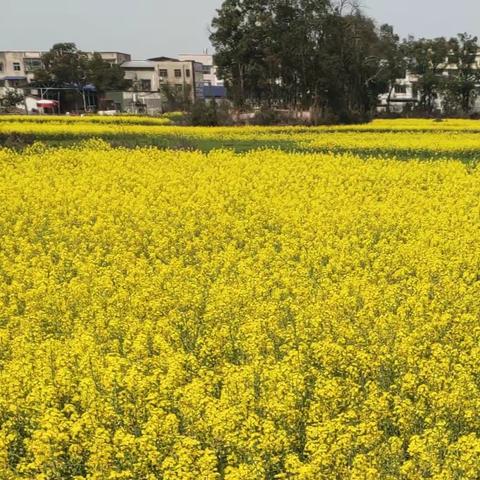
<point x="139" y="64"/>
<point x="163" y="59"/>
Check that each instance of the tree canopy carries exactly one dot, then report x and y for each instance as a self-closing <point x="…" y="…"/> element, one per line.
<point x="66" y="65"/>
<point x="329" y="57"/>
<point x="315" y="54"/>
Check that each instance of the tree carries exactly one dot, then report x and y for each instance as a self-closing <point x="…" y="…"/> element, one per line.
<point x="11" y="99"/>
<point x="103" y="75"/>
<point x="394" y="61"/>
<point x="426" y="58"/>
<point x="463" y="75"/>
<point x="176" y="99"/>
<point x="64" y="65"/>
<point x="309" y="54"/>
<point x="355" y="74"/>
<point x="241" y="37"/>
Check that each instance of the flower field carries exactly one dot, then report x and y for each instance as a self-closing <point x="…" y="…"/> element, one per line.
<point x="400" y="138"/>
<point x="266" y="315"/>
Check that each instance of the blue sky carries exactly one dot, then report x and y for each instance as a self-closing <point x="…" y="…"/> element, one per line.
<point x="148" y="28"/>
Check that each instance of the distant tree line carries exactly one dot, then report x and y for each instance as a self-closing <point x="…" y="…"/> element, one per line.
<point x="329" y="57"/>
<point x="67" y="67"/>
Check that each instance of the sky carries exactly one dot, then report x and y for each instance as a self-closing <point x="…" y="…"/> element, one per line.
<point x="148" y="28"/>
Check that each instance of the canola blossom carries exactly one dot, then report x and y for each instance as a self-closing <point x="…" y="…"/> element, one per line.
<point x="67" y="120"/>
<point x="268" y="315"/>
<point x="378" y="125"/>
<point x="456" y="138"/>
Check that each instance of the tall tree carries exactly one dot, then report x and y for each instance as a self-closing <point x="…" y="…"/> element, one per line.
<point x="426" y="58"/>
<point x="315" y="54"/>
<point x="11" y="99"/>
<point x="103" y="75"/>
<point x="463" y="73"/>
<point x="393" y="59"/>
<point x="67" y="66"/>
<point x="63" y="65"/>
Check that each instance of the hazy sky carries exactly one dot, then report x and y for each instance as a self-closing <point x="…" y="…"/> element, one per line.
<point x="147" y="28"/>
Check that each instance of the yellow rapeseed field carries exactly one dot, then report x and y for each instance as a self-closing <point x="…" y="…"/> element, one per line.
<point x="458" y="138"/>
<point x="187" y="316"/>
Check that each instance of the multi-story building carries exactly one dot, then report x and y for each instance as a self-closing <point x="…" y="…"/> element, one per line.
<point x="150" y="75"/>
<point x="149" y="79"/>
<point x="213" y="87"/>
<point x="210" y="71"/>
<point x="17" y="68"/>
<point x="185" y="76"/>
<point x="115" y="58"/>
<point x="405" y="93"/>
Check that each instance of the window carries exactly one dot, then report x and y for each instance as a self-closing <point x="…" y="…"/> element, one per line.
<point x="32" y="64"/>
<point x="187" y="73"/>
<point x="1" y="67"/>
<point x="400" y="89"/>
<point x="16" y="83"/>
<point x="207" y="69"/>
<point x="163" y="73"/>
<point x="146" y="85"/>
<point x="17" y="67"/>
<point x="178" y="73"/>
<point x="178" y="87"/>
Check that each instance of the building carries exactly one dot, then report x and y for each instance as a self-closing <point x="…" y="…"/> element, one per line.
<point x="215" y="93"/>
<point x="142" y="75"/>
<point x="185" y="76"/>
<point x="17" y="71"/>
<point x="17" y="68"/>
<point x="149" y="80"/>
<point x="209" y="69"/>
<point x="151" y="75"/>
<point x="213" y="88"/>
<point x="405" y="94"/>
<point x="115" y="58"/>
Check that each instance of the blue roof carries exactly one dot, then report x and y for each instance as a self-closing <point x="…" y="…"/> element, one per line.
<point x="211" y="91"/>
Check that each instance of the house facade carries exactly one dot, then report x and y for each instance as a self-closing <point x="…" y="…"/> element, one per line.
<point x="405" y="94"/>
<point x="213" y="86"/>
<point x="149" y="81"/>
<point x="210" y="70"/>
<point x="152" y="81"/>
<point x="17" y="71"/>
<point x="17" y="68"/>
<point x="114" y="58"/>
<point x="185" y="76"/>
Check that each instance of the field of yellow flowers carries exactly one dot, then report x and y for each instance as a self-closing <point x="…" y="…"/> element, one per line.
<point x="266" y="315"/>
<point x="400" y="138"/>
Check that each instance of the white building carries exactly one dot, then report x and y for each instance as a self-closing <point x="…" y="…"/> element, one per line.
<point x="148" y="79"/>
<point x="405" y="94"/>
<point x="209" y="69"/>
<point x="185" y="76"/>
<point x="17" y="68"/>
